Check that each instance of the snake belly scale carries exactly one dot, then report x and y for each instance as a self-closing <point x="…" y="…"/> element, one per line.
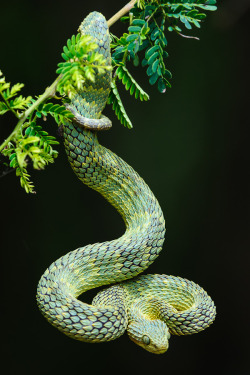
<point x="149" y="307"/>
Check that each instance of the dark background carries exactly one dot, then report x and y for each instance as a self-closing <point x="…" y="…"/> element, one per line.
<point x="190" y="145"/>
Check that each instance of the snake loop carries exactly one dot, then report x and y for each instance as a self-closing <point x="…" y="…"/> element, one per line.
<point x="149" y="307"/>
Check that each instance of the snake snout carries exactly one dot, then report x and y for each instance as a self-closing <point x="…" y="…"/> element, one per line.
<point x="151" y="335"/>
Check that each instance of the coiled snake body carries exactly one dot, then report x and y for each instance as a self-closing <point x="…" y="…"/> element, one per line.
<point x="149" y="307"/>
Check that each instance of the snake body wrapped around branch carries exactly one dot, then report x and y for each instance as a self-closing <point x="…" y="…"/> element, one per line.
<point x="149" y="307"/>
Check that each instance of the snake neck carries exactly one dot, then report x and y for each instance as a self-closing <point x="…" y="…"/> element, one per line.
<point x="103" y="171"/>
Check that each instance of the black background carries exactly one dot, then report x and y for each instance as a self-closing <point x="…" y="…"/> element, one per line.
<point x="190" y="145"/>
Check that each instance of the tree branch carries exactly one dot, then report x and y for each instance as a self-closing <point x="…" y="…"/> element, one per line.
<point x="121" y="12"/>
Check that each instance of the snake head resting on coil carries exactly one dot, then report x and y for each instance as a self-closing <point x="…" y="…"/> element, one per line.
<point x="146" y="329"/>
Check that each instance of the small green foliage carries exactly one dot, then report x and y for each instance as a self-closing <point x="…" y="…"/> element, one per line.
<point x="21" y="171"/>
<point x="33" y="146"/>
<point x="141" y="3"/>
<point x="115" y="100"/>
<point x="130" y="84"/>
<point x="58" y="112"/>
<point x="29" y="144"/>
<point x="146" y="38"/>
<point x="81" y="62"/>
<point x="146" y="44"/>
<point x="9" y="101"/>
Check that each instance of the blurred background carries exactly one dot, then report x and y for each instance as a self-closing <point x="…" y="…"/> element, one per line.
<point x="191" y="145"/>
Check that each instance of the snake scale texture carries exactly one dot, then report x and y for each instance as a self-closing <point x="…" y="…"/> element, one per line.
<point x="149" y="307"/>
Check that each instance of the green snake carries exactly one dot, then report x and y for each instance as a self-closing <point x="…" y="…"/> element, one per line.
<point x="149" y="307"/>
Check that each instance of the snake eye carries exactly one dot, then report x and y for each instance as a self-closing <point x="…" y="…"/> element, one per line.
<point x="146" y="339"/>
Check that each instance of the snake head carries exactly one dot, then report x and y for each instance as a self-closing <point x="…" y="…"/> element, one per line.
<point x="151" y="335"/>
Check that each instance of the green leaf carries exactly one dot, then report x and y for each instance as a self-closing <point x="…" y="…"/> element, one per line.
<point x="161" y="86"/>
<point x="150" y="71"/>
<point x="150" y="51"/>
<point x="153" y="57"/>
<point x="124" y="19"/>
<point x="210" y="7"/>
<point x="155" y="65"/>
<point x="138" y="22"/>
<point x="155" y="34"/>
<point x="201" y="16"/>
<point x="134" y="29"/>
<point x="115" y="100"/>
<point x="185" y="21"/>
<point x="14" y="89"/>
<point x="168" y="74"/>
<point x="131" y="84"/>
<point x="132" y="37"/>
<point x="136" y="60"/>
<point x="153" y="78"/>
<point x="3" y="108"/>
<point x="28" y="140"/>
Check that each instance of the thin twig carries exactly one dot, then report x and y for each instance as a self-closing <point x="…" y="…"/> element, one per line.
<point x="188" y="36"/>
<point x="121" y="12"/>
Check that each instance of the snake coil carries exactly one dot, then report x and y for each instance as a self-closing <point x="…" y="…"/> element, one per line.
<point x="149" y="307"/>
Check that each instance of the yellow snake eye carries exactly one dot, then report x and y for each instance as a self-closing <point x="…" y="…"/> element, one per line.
<point x="146" y="339"/>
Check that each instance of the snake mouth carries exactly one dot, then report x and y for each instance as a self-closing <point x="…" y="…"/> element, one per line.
<point x="154" y="349"/>
<point x="151" y="347"/>
<point x="158" y="350"/>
